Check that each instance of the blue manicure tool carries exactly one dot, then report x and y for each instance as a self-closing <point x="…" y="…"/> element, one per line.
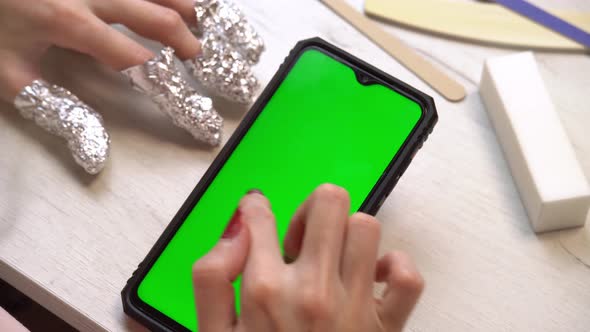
<point x="552" y="22"/>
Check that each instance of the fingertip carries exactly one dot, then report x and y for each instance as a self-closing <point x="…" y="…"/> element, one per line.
<point x="385" y="265"/>
<point x="408" y="280"/>
<point x="398" y="269"/>
<point x="367" y="224"/>
<point x="191" y="49"/>
<point x="404" y="287"/>
<point x="135" y="55"/>
<point x="328" y="193"/>
<point x="255" y="200"/>
<point x="140" y="56"/>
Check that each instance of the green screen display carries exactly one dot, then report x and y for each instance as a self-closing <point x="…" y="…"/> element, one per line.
<point x="320" y="126"/>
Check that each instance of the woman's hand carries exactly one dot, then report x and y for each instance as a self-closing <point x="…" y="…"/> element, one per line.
<point x="221" y="62"/>
<point x="28" y="29"/>
<point x="327" y="287"/>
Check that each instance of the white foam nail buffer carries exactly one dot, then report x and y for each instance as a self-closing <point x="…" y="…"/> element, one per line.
<point x="550" y="180"/>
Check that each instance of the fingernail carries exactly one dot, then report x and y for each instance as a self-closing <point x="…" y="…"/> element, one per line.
<point x="255" y="191"/>
<point x="288" y="259"/>
<point x="233" y="227"/>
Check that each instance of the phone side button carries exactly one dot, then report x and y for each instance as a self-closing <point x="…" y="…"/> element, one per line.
<point x="405" y="166"/>
<point x="415" y="152"/>
<point x="139" y="267"/>
<point x="381" y="201"/>
<point x="392" y="184"/>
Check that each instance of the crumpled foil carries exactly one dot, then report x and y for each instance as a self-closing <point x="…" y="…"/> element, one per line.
<point x="223" y="71"/>
<point x="61" y="113"/>
<point x="225" y="19"/>
<point x="230" y="47"/>
<point x="161" y="80"/>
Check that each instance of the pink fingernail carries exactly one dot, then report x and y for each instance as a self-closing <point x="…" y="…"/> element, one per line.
<point x="234" y="226"/>
<point x="255" y="191"/>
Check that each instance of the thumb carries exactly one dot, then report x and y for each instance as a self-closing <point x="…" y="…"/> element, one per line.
<point x="213" y="276"/>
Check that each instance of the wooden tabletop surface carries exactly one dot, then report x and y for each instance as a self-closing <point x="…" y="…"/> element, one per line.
<point x="70" y="241"/>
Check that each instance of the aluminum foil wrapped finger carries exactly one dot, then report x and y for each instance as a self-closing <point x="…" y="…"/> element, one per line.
<point x="61" y="113"/>
<point x="224" y="19"/>
<point x="161" y="80"/>
<point x="223" y="70"/>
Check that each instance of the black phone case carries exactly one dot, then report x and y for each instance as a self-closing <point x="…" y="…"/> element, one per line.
<point x="155" y="320"/>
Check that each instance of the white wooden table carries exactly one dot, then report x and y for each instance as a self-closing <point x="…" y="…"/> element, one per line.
<point x="70" y="241"/>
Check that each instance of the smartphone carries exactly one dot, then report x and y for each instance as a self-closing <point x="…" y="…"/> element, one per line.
<point x="325" y="117"/>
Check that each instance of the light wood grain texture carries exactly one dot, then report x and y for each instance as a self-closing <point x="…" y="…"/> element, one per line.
<point x="71" y="241"/>
<point x="480" y="22"/>
<point x="440" y="81"/>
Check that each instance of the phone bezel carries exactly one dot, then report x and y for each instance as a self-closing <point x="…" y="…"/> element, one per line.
<point x="157" y="321"/>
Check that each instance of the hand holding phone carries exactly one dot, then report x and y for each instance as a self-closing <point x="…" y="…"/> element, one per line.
<point x="327" y="287"/>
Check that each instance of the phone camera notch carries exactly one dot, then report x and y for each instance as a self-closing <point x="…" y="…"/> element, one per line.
<point x="363" y="78"/>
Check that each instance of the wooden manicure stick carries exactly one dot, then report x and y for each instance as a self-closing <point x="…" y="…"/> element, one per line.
<point x="438" y="80"/>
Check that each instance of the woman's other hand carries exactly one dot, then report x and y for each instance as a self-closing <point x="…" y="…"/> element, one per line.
<point x="327" y="286"/>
